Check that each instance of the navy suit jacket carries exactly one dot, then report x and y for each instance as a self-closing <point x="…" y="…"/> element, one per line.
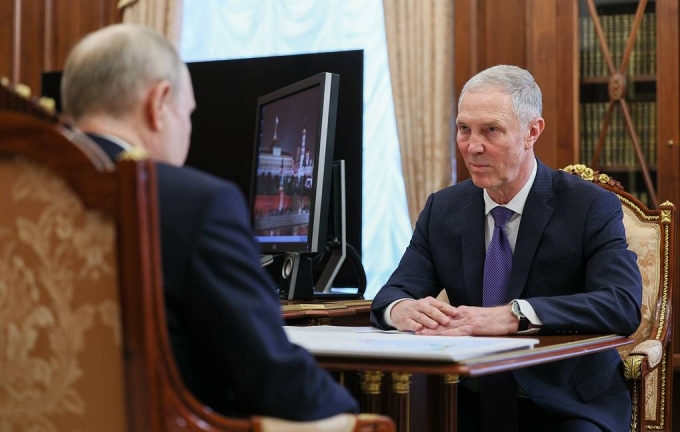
<point x="223" y="312"/>
<point x="571" y="263"/>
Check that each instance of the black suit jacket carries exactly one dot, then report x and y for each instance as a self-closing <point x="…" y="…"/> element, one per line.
<point x="223" y="311"/>
<point x="571" y="263"/>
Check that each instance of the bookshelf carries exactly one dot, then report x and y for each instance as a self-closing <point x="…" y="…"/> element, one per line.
<point x="617" y="92"/>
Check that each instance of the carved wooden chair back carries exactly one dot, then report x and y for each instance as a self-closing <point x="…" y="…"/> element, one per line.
<point x="648" y="362"/>
<point x="62" y="245"/>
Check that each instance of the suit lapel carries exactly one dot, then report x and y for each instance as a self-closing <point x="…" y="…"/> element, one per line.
<point x="537" y="212"/>
<point x="473" y="246"/>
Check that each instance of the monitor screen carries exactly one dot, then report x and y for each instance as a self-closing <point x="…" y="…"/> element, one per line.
<point x="295" y="131"/>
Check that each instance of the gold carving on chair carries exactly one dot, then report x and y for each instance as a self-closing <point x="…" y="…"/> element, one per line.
<point x="589" y="174"/>
<point x="632" y="367"/>
<point x="23" y="90"/>
<point x="48" y="104"/>
<point x="57" y="295"/>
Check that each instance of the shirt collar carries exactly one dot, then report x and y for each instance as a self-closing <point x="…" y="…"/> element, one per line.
<point x="126" y="146"/>
<point x="517" y="203"/>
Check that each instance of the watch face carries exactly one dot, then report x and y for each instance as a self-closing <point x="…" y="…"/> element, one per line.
<point x="514" y="307"/>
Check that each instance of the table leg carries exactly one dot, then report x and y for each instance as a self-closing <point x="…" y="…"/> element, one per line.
<point x="370" y="383"/>
<point x="399" y="398"/>
<point x="449" y="402"/>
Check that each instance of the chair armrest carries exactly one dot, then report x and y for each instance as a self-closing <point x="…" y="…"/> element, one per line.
<point x="649" y="351"/>
<point x="337" y="423"/>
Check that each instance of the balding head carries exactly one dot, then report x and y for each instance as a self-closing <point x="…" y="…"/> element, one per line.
<point x="128" y="81"/>
<point x="108" y="71"/>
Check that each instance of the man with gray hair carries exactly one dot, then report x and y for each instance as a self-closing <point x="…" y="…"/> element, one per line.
<point x="127" y="88"/>
<point x="520" y="248"/>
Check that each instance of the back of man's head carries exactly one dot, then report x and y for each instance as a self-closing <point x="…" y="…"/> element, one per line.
<point x="108" y="71"/>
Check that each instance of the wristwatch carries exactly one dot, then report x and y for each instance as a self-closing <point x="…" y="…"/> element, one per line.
<point x="523" y="320"/>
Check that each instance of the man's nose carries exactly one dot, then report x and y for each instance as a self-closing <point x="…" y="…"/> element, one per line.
<point x="475" y="143"/>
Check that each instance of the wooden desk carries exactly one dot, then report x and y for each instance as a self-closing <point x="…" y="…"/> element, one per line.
<point x="345" y="313"/>
<point x="443" y="389"/>
<point x="442" y="376"/>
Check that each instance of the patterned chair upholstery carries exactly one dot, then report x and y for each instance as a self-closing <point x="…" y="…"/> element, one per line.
<point x="60" y="325"/>
<point x="83" y="340"/>
<point x="647" y="362"/>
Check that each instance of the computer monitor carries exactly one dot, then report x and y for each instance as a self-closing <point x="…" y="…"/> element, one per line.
<point x="295" y="131"/>
<point x="294" y="140"/>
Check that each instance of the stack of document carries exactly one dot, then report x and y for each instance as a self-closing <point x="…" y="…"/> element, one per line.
<point x="372" y="342"/>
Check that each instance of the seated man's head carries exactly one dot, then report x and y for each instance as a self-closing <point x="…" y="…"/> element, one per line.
<point x="129" y="82"/>
<point x="499" y="120"/>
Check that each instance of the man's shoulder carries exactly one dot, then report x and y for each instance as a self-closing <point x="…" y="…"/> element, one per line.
<point x="462" y="190"/>
<point x="191" y="179"/>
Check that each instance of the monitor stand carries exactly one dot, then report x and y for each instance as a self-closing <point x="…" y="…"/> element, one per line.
<point x="297" y="280"/>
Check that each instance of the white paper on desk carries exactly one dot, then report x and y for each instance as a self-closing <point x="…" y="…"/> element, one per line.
<point x="373" y="342"/>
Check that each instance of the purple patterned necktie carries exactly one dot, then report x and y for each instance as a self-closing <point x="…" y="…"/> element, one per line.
<point x="498" y="262"/>
<point x="498" y="391"/>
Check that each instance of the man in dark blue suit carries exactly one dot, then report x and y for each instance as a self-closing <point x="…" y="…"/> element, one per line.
<point x="127" y="88"/>
<point x="571" y="271"/>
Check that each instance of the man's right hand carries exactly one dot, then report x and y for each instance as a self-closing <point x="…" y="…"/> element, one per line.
<point x="415" y="315"/>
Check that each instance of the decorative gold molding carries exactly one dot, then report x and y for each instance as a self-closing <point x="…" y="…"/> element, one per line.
<point x="47" y="104"/>
<point x="370" y="382"/>
<point x="320" y="321"/>
<point x="662" y="396"/>
<point x="588" y="174"/>
<point x="401" y="382"/>
<point x="665" y="277"/>
<point x="665" y="215"/>
<point x="23" y="90"/>
<point x="635" y="398"/>
<point x="632" y="367"/>
<point x="450" y="378"/>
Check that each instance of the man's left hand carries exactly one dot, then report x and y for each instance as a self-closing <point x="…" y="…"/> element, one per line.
<point x="477" y="321"/>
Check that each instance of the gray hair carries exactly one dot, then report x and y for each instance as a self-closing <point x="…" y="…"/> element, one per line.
<point x="526" y="97"/>
<point x="109" y="70"/>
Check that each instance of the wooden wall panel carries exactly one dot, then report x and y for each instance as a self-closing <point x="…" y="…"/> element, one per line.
<point x="487" y="33"/>
<point x="36" y="35"/>
<point x="31" y="42"/>
<point x="541" y="62"/>
<point x="525" y="38"/>
<point x="75" y="18"/>
<point x="502" y="44"/>
<point x="554" y="63"/>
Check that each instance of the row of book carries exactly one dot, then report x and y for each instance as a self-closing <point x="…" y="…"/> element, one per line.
<point x="617" y="29"/>
<point x="618" y="151"/>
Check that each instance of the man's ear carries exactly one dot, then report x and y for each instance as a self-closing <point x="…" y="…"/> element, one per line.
<point x="157" y="103"/>
<point x="535" y="129"/>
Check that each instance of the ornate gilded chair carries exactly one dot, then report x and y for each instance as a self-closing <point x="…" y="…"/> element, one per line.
<point x="647" y="362"/>
<point x="83" y="339"/>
